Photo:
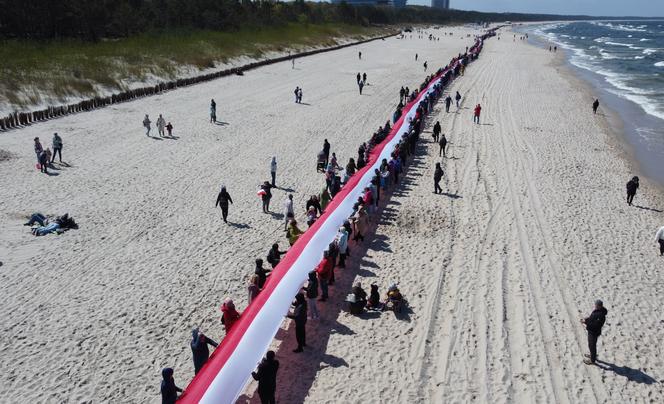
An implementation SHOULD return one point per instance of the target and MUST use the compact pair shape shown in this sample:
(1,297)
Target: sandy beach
(497,272)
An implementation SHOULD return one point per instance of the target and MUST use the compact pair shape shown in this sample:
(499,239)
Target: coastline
(619,129)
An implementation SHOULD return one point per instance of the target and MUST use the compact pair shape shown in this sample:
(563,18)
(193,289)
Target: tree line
(92,20)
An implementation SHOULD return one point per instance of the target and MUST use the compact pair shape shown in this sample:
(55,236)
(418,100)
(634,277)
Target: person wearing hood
(261,272)
(273,171)
(443,145)
(659,238)
(146,124)
(437,176)
(199,348)
(594,324)
(169,391)
(299,315)
(222,201)
(312,293)
(161,124)
(229,315)
(313,202)
(632,186)
(266,375)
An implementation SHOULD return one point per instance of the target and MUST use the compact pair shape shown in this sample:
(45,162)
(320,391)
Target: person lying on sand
(59,225)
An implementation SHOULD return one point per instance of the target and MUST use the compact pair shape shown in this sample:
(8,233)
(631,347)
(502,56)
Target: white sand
(496,278)
(94,314)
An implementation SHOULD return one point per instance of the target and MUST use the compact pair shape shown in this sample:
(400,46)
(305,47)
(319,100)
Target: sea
(624,62)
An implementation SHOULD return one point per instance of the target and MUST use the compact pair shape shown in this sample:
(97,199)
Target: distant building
(442,4)
(393,3)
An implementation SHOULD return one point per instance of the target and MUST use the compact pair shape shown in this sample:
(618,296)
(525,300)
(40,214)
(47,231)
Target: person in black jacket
(436,131)
(169,391)
(443,145)
(632,186)
(199,348)
(300,317)
(594,324)
(595,106)
(313,201)
(437,176)
(261,272)
(326,151)
(222,201)
(266,375)
(274,255)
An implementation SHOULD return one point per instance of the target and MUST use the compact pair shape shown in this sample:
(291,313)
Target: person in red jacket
(476,115)
(324,271)
(229,315)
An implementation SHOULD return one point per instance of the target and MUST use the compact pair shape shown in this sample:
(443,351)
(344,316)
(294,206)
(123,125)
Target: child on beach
(169,128)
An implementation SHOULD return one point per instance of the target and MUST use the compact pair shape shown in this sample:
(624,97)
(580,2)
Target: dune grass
(34,73)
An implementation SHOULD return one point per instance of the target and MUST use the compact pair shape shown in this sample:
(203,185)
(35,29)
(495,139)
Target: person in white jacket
(289,213)
(273,170)
(161,124)
(659,238)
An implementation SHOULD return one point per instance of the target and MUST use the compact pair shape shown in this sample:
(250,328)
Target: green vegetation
(77,68)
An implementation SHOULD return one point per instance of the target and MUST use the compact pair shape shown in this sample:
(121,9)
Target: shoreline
(614,123)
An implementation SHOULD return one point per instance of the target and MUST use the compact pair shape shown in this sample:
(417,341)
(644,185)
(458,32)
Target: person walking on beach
(476,113)
(161,124)
(457,97)
(436,131)
(364,78)
(448,102)
(594,324)
(360,85)
(229,316)
(425,66)
(632,186)
(323,271)
(289,212)
(199,348)
(443,145)
(296,92)
(437,176)
(57,147)
(223,199)
(169,391)
(595,106)
(299,315)
(326,151)
(299,96)
(266,375)
(273,170)
(416,55)
(169,128)
(359,55)
(213,111)
(359,78)
(38,148)
(659,238)
(146,124)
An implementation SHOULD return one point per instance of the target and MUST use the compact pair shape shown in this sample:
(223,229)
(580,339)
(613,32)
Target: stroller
(320,162)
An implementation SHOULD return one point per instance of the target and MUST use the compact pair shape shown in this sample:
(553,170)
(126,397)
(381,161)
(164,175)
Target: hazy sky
(643,8)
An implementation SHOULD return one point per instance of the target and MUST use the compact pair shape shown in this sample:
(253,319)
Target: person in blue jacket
(199,348)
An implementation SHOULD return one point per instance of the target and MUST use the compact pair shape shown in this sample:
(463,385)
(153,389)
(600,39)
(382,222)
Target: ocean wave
(644,39)
(627,45)
(639,57)
(620,27)
(649,51)
(602,39)
(659,64)
(650,106)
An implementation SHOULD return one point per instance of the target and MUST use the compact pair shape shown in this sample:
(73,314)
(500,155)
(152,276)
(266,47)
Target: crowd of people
(351,233)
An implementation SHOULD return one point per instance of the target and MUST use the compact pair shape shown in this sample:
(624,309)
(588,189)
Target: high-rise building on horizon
(442,4)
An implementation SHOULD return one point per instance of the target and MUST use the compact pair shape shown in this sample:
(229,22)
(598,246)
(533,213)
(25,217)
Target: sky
(609,8)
